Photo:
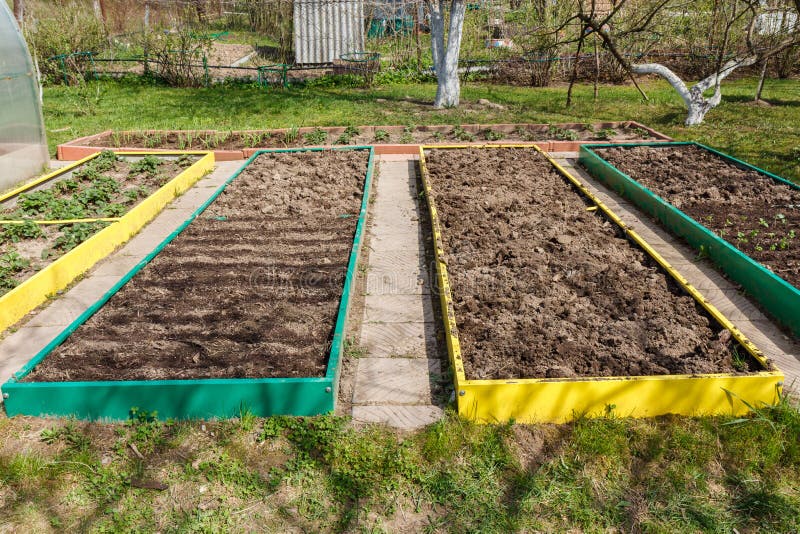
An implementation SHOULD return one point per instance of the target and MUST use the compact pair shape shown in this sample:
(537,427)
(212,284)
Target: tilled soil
(544,288)
(754,213)
(250,289)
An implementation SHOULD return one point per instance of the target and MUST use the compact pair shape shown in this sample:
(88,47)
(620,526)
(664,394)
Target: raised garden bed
(242,308)
(552,313)
(746,220)
(60,225)
(232,145)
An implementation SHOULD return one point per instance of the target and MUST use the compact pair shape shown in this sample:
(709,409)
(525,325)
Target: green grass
(768,137)
(670,474)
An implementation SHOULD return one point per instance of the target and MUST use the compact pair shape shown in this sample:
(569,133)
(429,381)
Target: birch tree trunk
(697,105)
(445,56)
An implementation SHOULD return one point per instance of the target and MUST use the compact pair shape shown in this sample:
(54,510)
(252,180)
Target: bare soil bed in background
(544,288)
(250,289)
(106,186)
(754,213)
(231,140)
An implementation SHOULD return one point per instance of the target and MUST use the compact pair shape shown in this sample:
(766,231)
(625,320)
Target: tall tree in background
(19,11)
(202,11)
(741,43)
(446,48)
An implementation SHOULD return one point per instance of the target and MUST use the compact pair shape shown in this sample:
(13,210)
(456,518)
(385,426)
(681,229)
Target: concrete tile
(398,309)
(394,381)
(399,281)
(65,309)
(396,219)
(406,260)
(18,348)
(390,242)
(398,157)
(192,199)
(402,417)
(736,307)
(115,265)
(399,340)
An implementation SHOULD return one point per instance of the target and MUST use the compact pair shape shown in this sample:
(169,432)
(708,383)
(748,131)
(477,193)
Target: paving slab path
(395,380)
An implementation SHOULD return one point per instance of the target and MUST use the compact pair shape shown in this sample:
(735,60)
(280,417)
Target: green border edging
(189,399)
(776,295)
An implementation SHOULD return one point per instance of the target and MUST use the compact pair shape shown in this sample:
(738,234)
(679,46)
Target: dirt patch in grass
(754,213)
(543,288)
(250,289)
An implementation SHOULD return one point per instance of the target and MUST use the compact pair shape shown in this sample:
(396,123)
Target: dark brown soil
(203,140)
(544,288)
(756,214)
(250,289)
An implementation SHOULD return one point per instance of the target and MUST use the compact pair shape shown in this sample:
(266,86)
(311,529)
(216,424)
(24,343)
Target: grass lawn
(282,474)
(669,474)
(768,137)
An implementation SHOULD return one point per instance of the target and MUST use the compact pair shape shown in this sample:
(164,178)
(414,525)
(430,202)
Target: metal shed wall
(326,29)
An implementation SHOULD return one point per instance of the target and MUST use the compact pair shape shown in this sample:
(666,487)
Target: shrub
(55,32)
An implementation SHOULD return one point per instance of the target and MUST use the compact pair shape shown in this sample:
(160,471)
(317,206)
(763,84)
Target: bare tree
(741,14)
(19,10)
(445,58)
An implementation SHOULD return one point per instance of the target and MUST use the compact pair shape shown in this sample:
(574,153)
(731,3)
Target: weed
(69,434)
(460,134)
(74,234)
(35,203)
(562,134)
(11,263)
(353,350)
(317,136)
(184,160)
(739,362)
(104,161)
(406,137)
(438,137)
(17,232)
(113,209)
(65,187)
(291,135)
(606,134)
(234,474)
(491,135)
(135,193)
(147,165)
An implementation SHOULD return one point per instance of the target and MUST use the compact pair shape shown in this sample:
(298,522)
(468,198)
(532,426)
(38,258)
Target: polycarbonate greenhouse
(23,147)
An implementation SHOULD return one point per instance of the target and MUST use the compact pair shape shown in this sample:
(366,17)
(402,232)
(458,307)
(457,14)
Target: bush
(72,27)
(177,58)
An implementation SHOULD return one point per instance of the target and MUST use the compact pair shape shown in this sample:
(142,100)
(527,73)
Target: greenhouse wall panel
(23,147)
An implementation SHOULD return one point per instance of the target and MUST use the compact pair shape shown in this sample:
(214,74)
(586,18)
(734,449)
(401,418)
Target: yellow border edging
(46,178)
(24,298)
(62,221)
(534,400)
